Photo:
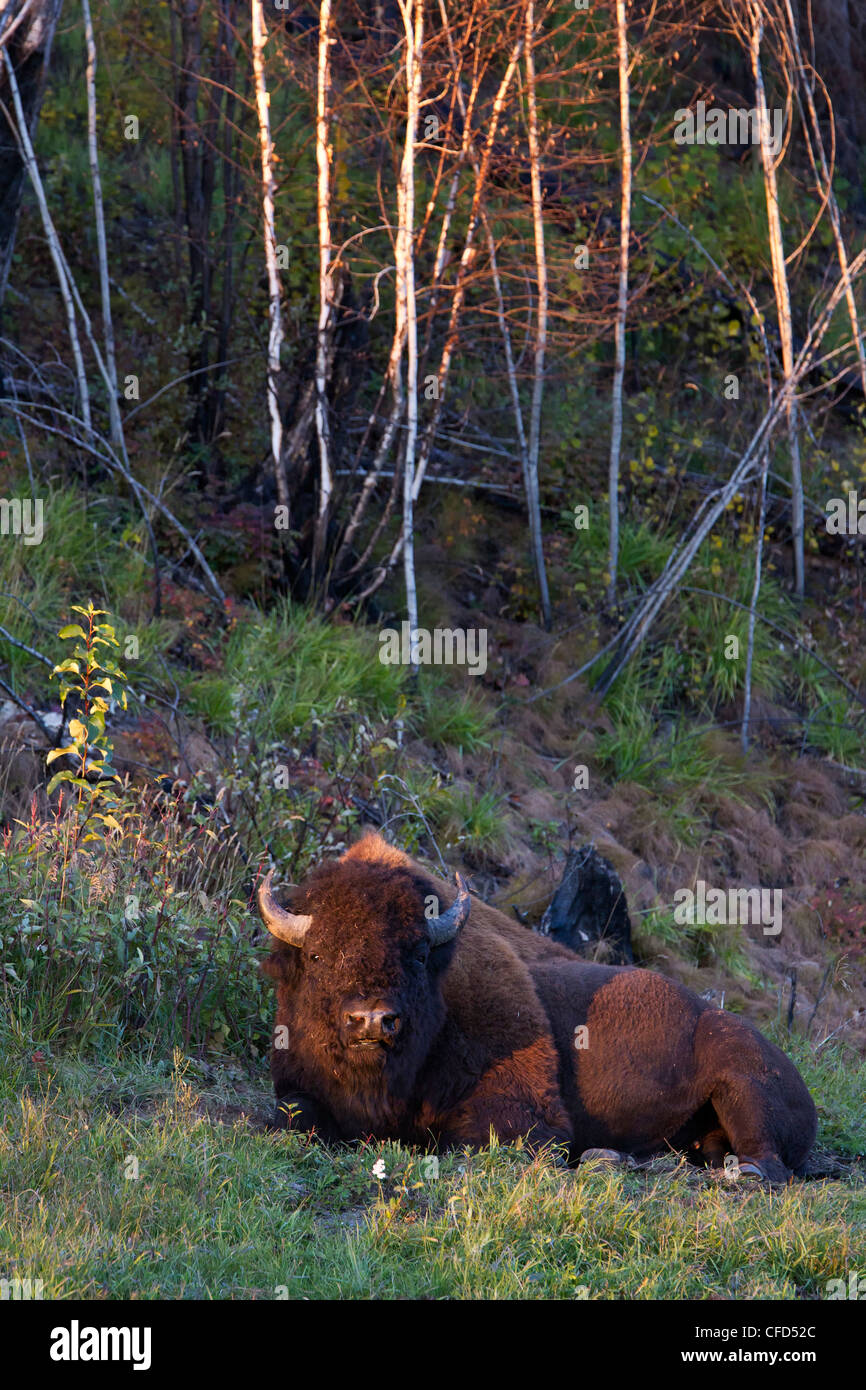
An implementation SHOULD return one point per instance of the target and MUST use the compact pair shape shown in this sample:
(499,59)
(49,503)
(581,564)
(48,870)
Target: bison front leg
(303,1113)
(507,1125)
(503,1102)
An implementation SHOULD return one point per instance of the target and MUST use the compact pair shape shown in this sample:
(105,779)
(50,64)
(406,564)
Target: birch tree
(412,12)
(715,503)
(115,428)
(622,300)
(275,322)
(531,467)
(753,607)
(780,289)
(64,279)
(323,208)
(467,257)
(466,108)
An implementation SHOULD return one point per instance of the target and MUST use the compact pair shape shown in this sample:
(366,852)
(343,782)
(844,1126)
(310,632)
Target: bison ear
(290,927)
(445,928)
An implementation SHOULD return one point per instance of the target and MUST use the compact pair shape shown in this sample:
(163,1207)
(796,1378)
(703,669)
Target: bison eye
(314,957)
(422,955)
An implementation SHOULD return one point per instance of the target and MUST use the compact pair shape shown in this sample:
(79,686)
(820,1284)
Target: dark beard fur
(370,1095)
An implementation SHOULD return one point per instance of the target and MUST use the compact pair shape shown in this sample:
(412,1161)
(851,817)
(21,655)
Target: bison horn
(446,927)
(287,926)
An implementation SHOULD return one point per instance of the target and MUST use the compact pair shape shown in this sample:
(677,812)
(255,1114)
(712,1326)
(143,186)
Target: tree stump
(589,908)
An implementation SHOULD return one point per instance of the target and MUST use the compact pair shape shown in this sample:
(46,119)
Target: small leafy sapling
(93,684)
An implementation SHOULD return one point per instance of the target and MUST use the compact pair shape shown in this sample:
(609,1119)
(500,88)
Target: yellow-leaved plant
(94,683)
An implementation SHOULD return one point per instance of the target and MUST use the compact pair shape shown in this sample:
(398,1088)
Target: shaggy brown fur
(489,1040)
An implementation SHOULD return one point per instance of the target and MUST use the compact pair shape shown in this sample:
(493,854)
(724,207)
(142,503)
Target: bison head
(360,966)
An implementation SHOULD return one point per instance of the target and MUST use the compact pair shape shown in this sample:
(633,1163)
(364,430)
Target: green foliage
(92,684)
(702,944)
(689,656)
(650,745)
(643,553)
(832,723)
(117,944)
(214,699)
(836,1076)
(837,727)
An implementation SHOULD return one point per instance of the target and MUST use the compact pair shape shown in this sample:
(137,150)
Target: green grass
(701,943)
(290,670)
(643,553)
(82,551)
(89,549)
(655,747)
(220,1209)
(690,657)
(290,666)
(450,717)
(469,818)
(837,727)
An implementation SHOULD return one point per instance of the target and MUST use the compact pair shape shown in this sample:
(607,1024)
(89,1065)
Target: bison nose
(378,1024)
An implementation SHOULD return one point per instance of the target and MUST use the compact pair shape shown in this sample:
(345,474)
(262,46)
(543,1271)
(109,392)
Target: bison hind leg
(769,1168)
(751,1128)
(711,1149)
(707,1144)
(703,1139)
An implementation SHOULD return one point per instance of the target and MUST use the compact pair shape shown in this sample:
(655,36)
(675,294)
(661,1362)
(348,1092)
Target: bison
(402,1017)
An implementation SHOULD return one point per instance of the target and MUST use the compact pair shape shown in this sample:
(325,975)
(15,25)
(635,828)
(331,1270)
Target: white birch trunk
(275,323)
(753,609)
(323,205)
(393,374)
(394,370)
(413,23)
(465,110)
(531,478)
(511,373)
(29,159)
(115,430)
(782,294)
(622,302)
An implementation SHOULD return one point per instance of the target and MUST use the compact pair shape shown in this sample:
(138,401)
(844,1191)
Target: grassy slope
(222,1210)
